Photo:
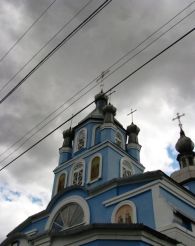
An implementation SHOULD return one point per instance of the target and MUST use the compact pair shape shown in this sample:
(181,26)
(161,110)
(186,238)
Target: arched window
(119,139)
(95,168)
(124,213)
(61,182)
(126,168)
(77,174)
(69,216)
(81,139)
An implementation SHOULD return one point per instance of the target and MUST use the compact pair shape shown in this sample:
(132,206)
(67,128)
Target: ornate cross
(132,111)
(178,118)
(101,78)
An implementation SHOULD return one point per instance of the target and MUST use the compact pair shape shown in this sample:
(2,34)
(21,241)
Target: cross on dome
(178,118)
(131,113)
(101,78)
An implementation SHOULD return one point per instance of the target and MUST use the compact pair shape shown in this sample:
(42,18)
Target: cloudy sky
(158,91)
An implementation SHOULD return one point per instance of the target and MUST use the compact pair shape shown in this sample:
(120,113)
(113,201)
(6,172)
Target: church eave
(113,229)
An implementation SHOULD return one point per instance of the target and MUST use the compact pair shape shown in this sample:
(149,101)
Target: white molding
(95,149)
(178,192)
(72,169)
(76,199)
(126,202)
(75,149)
(121,164)
(89,168)
(122,138)
(186,198)
(129,194)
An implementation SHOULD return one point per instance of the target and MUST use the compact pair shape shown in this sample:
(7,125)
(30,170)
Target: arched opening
(69,216)
(95,168)
(77,174)
(126,168)
(61,182)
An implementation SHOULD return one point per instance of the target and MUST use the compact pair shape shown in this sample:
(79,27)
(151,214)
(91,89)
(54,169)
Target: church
(102,196)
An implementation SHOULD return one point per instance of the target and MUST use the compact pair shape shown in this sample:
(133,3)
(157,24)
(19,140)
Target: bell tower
(186,159)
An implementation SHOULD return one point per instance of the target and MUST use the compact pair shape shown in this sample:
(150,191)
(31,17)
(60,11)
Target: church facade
(102,196)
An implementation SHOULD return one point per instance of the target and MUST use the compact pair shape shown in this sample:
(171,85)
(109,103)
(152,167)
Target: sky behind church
(158,91)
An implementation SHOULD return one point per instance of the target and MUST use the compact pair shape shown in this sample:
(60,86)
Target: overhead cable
(70,35)
(44,46)
(27,30)
(109,90)
(47,117)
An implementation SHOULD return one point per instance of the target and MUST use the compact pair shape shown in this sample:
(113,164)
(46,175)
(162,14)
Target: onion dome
(184,144)
(133,131)
(109,112)
(68,136)
(101,99)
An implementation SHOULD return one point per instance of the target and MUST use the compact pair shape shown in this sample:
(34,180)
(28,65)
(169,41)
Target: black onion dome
(101,97)
(67,133)
(184,144)
(133,129)
(109,109)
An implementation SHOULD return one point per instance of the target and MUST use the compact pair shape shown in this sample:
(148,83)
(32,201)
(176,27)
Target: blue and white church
(102,196)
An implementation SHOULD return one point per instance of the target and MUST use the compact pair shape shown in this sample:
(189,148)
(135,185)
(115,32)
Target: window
(126,168)
(95,168)
(61,182)
(124,213)
(77,174)
(119,139)
(69,216)
(81,139)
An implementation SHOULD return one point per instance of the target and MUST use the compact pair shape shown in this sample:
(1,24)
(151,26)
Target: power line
(82,24)
(44,46)
(27,30)
(87,91)
(110,89)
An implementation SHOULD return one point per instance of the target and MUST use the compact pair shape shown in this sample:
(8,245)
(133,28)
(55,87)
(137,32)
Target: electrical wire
(109,90)
(44,46)
(47,117)
(69,36)
(27,30)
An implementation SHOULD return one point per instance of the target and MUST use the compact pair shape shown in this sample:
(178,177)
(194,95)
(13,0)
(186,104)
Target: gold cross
(178,118)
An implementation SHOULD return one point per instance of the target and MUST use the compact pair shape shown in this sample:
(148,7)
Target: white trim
(186,198)
(89,168)
(75,149)
(122,139)
(93,138)
(76,199)
(72,170)
(57,181)
(121,165)
(31,232)
(126,202)
(95,149)
(129,194)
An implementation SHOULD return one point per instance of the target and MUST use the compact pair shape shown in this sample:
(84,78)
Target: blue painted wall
(178,203)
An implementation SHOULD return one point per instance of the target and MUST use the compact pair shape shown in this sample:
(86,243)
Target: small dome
(101,97)
(109,109)
(184,144)
(133,129)
(67,133)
